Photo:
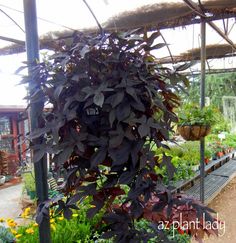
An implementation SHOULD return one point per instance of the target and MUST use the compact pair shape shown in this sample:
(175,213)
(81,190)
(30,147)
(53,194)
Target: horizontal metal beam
(19,42)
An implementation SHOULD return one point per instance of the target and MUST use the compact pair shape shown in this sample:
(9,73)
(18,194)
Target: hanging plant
(195,123)
(109,101)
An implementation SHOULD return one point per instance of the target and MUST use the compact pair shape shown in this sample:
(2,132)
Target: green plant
(217,86)
(78,229)
(5,235)
(191,153)
(221,124)
(209,152)
(191,114)
(177,236)
(29,182)
(230,140)
(179,161)
(172,233)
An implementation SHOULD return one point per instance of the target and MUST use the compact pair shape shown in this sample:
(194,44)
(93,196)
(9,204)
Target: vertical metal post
(40,168)
(202,104)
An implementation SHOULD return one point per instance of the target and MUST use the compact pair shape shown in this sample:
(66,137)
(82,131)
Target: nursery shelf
(227,170)
(213,185)
(214,182)
(209,168)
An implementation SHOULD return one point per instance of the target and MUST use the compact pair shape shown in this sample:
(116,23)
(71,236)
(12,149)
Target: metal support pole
(202,104)
(40,168)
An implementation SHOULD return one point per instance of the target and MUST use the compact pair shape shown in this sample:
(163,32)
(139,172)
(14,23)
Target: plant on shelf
(178,158)
(208,153)
(194,122)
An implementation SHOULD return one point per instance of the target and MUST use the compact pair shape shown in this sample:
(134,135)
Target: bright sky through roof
(56,14)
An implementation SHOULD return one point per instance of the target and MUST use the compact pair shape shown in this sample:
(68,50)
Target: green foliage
(191,114)
(175,236)
(171,233)
(230,141)
(78,229)
(216,145)
(183,157)
(217,86)
(5,235)
(180,162)
(29,182)
(221,124)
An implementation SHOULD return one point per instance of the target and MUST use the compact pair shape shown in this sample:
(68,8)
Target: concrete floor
(10,201)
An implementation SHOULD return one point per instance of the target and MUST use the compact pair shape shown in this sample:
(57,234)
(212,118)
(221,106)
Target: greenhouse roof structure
(150,14)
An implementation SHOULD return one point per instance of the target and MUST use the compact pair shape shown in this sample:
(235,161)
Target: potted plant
(195,123)
(208,155)
(192,160)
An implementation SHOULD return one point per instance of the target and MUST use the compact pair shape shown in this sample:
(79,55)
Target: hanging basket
(193,132)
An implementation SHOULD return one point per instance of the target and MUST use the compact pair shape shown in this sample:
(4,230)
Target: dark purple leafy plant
(109,102)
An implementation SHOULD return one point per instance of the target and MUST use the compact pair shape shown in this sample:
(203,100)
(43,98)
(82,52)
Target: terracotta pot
(220,154)
(193,133)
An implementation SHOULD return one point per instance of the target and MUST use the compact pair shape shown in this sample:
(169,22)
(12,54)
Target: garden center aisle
(225,205)
(10,201)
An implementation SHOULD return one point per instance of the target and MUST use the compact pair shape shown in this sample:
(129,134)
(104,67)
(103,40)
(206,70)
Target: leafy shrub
(5,235)
(78,229)
(29,182)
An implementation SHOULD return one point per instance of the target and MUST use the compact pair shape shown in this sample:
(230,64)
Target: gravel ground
(225,205)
